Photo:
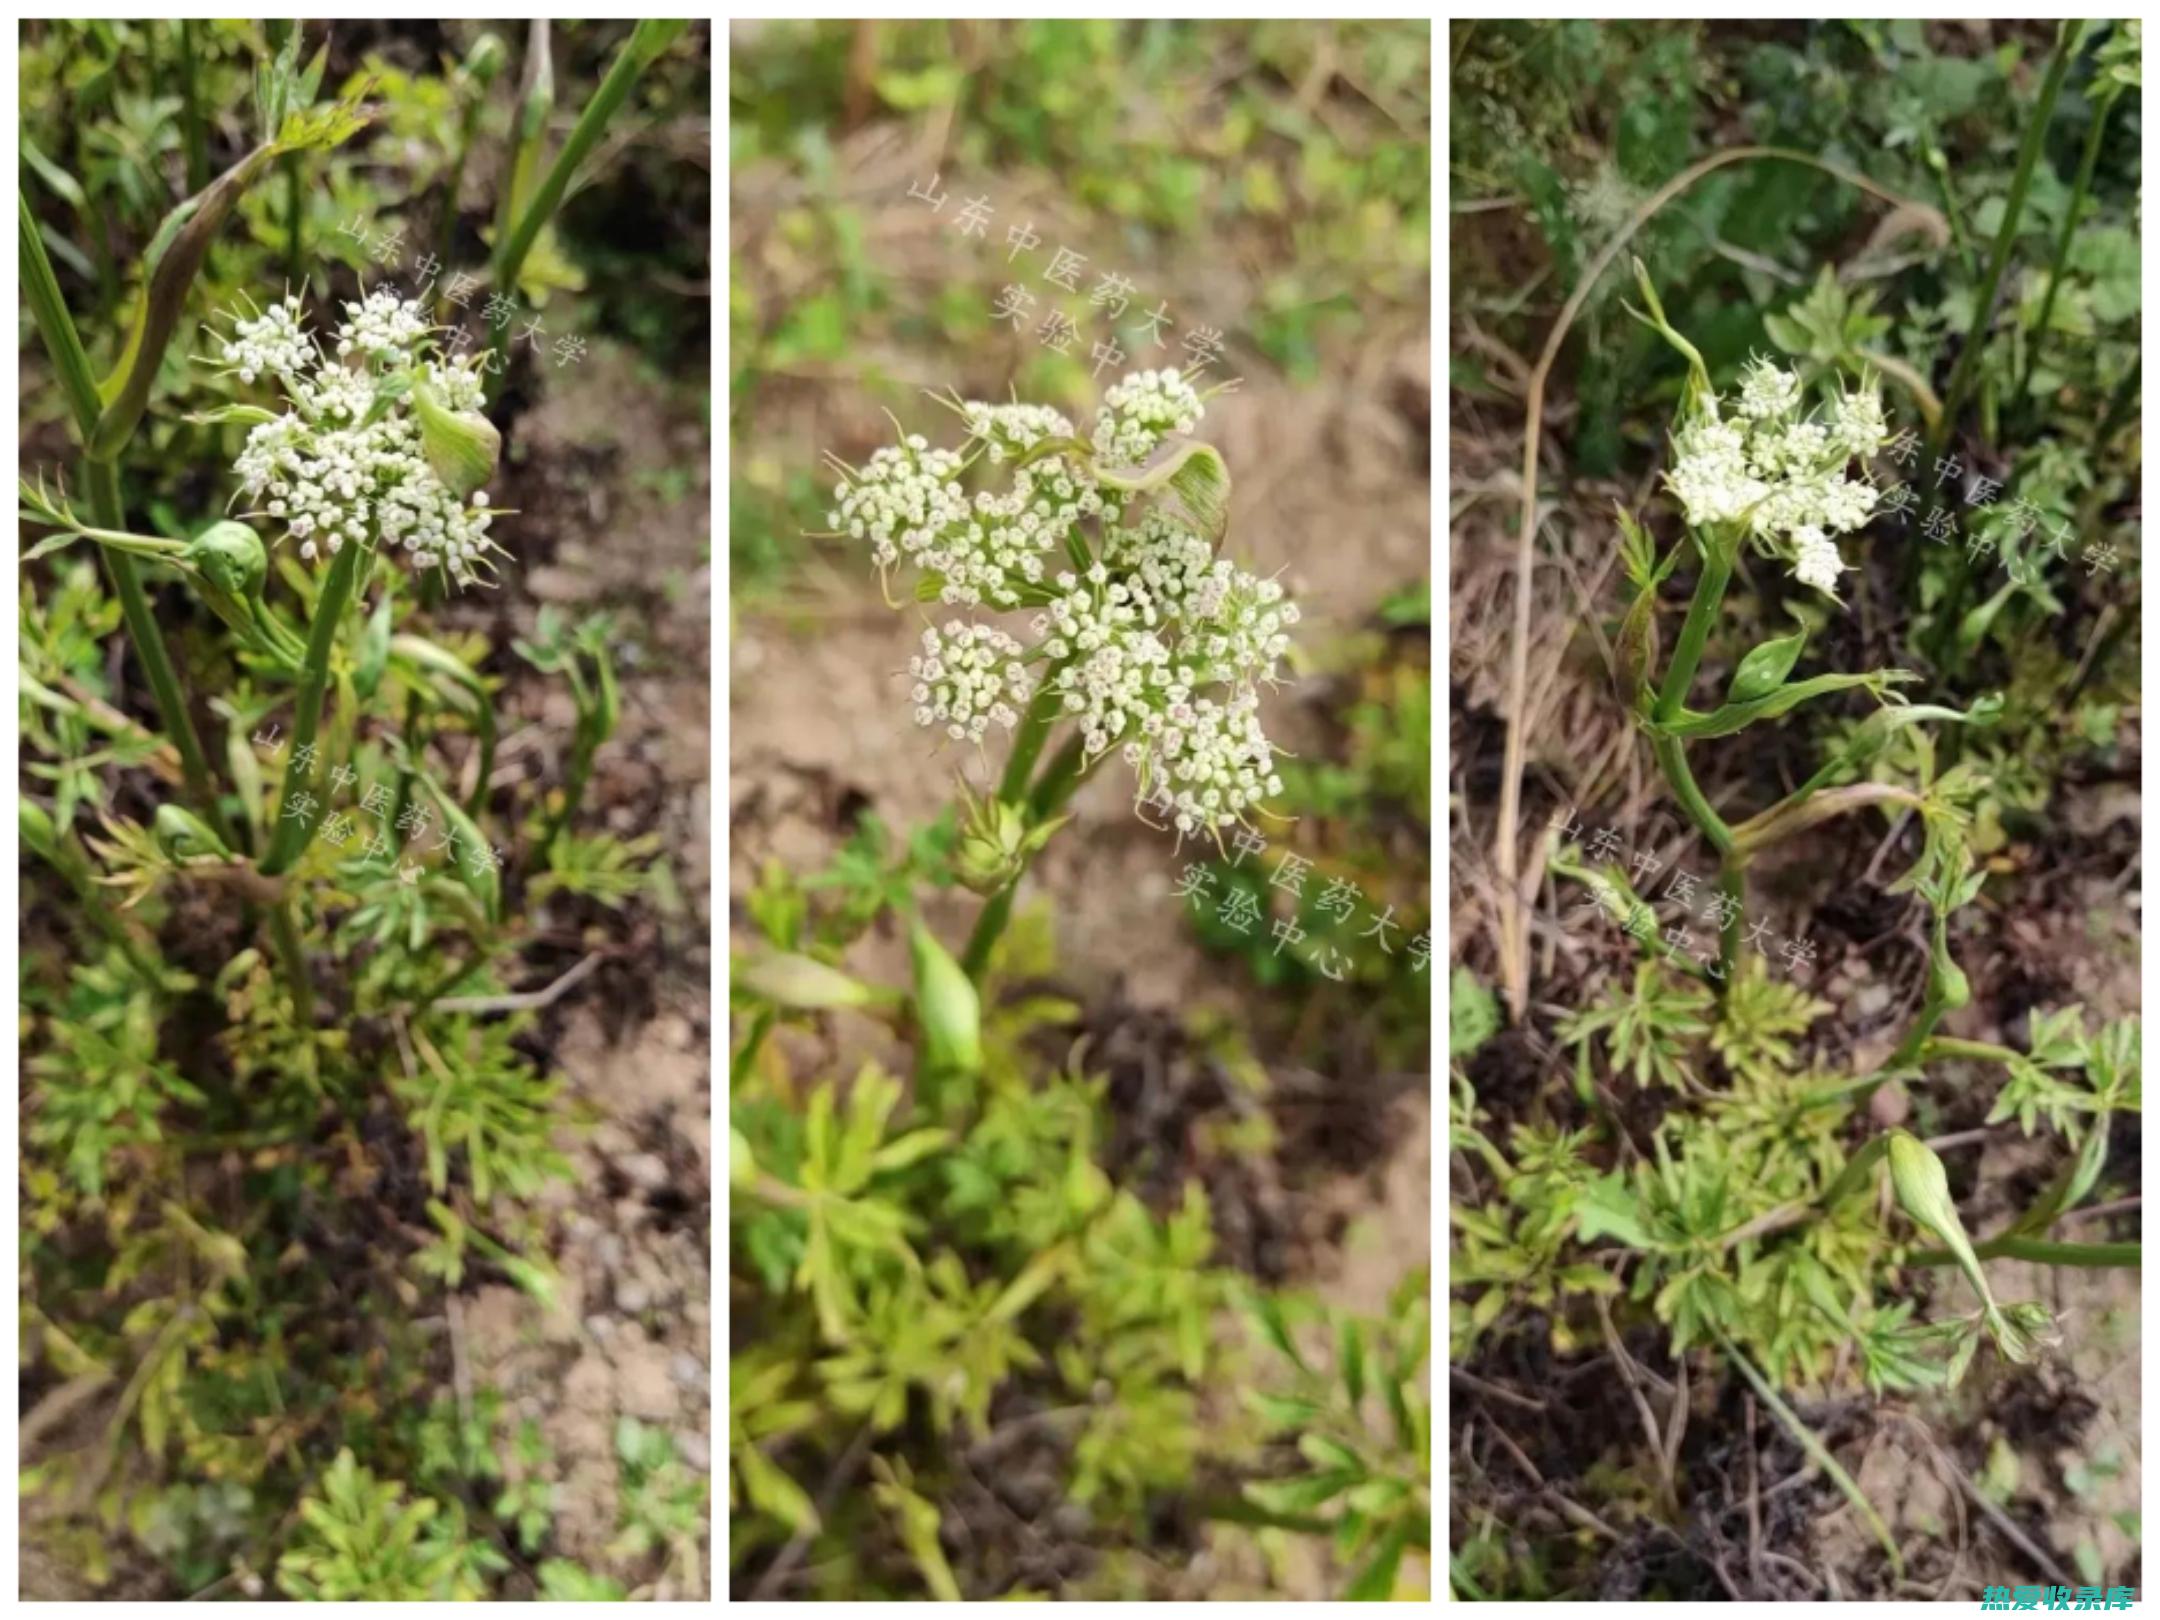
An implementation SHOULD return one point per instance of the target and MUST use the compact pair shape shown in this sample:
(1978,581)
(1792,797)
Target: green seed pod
(787,979)
(231,557)
(1636,651)
(181,835)
(742,1163)
(461,446)
(1924,1191)
(946,1006)
(374,655)
(1955,989)
(486,59)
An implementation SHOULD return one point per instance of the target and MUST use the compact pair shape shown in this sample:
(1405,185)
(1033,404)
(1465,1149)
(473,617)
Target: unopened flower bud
(230,556)
(946,1006)
(485,60)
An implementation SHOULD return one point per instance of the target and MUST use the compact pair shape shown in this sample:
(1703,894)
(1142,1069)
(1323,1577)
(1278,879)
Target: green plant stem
(1065,769)
(292,957)
(635,55)
(2118,406)
(104,481)
(1951,1046)
(1857,1169)
(41,289)
(1702,613)
(455,181)
(2040,1252)
(290,835)
(1036,719)
(1968,360)
(1801,811)
(1815,1449)
(1060,779)
(2086,164)
(574,783)
(1916,1039)
(293,245)
(1671,754)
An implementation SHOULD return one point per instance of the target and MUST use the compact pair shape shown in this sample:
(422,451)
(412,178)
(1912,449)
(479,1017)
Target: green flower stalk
(1963,373)
(1766,472)
(647,41)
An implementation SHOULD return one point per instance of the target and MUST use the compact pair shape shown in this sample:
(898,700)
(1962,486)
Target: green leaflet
(483,878)
(1764,669)
(801,982)
(1732,717)
(1609,1207)
(946,1006)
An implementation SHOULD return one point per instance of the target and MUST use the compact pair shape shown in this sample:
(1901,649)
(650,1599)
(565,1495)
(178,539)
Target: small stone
(631,1298)
(641,1380)
(647,1170)
(687,1370)
(1890,1106)
(601,1327)
(695,1449)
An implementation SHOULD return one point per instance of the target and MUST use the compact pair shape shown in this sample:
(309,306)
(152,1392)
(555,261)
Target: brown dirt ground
(630,1333)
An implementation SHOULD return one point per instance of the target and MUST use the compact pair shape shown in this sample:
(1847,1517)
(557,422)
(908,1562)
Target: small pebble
(695,1450)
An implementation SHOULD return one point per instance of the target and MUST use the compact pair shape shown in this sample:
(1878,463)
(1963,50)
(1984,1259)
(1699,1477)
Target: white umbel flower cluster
(1780,473)
(1142,411)
(346,464)
(966,677)
(1136,631)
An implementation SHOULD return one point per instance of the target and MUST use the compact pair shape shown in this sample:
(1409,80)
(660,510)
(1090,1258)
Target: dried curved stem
(1786,818)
